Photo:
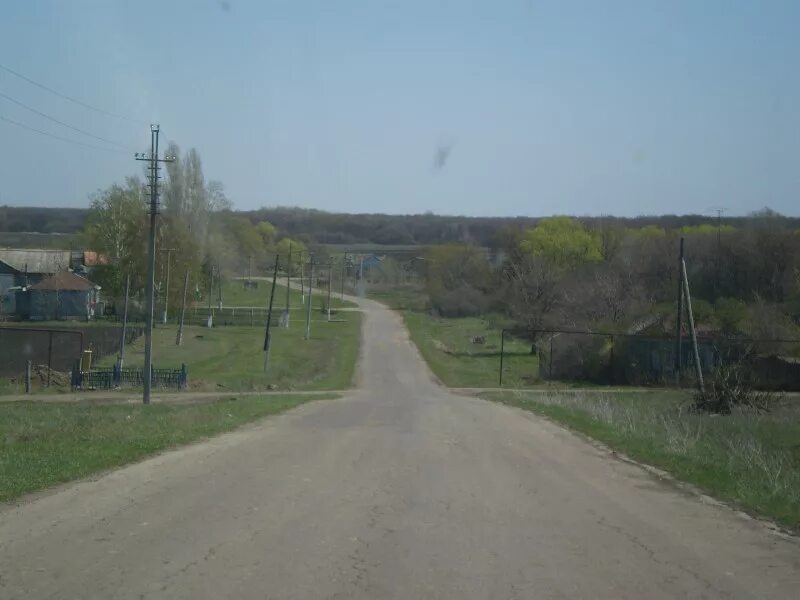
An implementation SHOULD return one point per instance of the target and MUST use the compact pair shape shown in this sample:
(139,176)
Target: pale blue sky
(619,107)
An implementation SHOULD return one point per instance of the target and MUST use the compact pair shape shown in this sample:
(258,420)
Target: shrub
(727,388)
(465,301)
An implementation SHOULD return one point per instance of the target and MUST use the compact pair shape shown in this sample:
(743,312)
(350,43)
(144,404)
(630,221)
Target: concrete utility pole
(154,168)
(268,334)
(288,284)
(308,305)
(166,288)
(179,338)
(124,322)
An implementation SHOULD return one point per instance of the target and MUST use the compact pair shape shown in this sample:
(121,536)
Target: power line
(67,125)
(57,137)
(70,98)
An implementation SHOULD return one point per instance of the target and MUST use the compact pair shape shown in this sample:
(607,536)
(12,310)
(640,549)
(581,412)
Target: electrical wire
(67,125)
(58,137)
(70,98)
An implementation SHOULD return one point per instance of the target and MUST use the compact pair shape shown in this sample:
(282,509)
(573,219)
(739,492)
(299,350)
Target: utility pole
(179,338)
(166,289)
(153,159)
(268,334)
(678,316)
(692,330)
(308,305)
(330,277)
(124,321)
(288,283)
(302,282)
(250,268)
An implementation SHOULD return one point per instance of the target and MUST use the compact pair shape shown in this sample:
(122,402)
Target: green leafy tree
(563,242)
(267,231)
(115,228)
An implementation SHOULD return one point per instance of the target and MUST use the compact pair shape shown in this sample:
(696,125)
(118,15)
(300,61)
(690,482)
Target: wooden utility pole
(268,334)
(179,338)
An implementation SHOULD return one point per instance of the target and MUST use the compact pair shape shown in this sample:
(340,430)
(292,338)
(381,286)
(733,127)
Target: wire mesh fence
(57,349)
(623,359)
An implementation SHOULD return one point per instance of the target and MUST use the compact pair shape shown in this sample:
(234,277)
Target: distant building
(23,267)
(64,295)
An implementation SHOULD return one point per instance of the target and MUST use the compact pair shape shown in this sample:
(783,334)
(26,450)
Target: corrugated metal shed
(36,261)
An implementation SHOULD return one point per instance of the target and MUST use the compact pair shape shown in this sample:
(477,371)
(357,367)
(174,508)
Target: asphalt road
(398,490)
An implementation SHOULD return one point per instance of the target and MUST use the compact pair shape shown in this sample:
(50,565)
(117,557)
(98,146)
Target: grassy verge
(231,358)
(399,297)
(235,294)
(752,461)
(447,346)
(44,444)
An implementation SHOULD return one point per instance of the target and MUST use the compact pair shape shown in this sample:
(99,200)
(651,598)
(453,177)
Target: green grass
(750,460)
(48,443)
(235,294)
(446,345)
(405,297)
(231,358)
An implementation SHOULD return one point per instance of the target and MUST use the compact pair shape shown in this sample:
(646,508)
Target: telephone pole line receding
(153,176)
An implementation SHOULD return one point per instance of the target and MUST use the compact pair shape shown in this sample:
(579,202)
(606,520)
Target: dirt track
(401,489)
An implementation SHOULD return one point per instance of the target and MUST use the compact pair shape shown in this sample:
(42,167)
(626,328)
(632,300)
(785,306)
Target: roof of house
(64,281)
(35,261)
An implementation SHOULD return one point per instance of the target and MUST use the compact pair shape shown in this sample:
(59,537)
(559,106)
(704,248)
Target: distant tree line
(43,220)
(321,227)
(606,275)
